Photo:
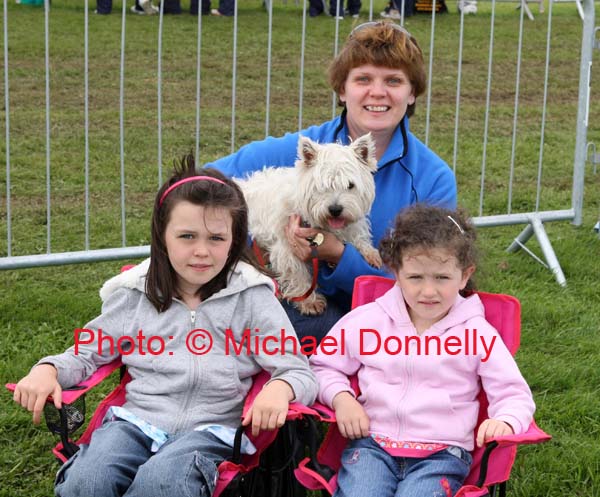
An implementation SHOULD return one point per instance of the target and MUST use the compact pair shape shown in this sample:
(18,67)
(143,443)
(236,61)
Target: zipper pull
(193,317)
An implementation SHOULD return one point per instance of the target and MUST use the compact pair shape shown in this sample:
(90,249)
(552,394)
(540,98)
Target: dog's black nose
(335,210)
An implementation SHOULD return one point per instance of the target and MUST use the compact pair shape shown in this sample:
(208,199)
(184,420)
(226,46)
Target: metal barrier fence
(483,127)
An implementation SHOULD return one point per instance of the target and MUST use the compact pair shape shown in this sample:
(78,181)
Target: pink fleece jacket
(430,393)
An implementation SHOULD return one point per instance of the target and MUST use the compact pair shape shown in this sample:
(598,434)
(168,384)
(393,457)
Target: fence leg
(521,240)
(592,156)
(525,7)
(580,9)
(548,251)
(536,227)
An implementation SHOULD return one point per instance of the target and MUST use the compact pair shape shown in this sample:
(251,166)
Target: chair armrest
(71,394)
(323,412)
(533,435)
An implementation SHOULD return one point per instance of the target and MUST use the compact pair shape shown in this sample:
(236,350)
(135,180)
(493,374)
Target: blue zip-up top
(408,172)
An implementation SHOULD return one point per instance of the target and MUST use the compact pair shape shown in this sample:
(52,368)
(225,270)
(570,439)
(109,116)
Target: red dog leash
(315,268)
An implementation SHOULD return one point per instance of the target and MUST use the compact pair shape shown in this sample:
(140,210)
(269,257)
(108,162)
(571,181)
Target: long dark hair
(161,280)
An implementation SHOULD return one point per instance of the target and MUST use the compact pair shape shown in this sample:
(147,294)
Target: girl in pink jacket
(421,353)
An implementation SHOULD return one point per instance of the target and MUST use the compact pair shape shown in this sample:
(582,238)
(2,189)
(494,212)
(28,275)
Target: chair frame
(492,464)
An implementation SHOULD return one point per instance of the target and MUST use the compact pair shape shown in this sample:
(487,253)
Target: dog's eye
(350,186)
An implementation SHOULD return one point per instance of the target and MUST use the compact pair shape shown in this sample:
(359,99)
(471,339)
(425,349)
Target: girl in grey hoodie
(189,328)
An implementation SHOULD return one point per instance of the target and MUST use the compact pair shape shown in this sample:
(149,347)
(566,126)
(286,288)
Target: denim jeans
(391,476)
(118,462)
(317,326)
(104,6)
(315,8)
(353,7)
(226,7)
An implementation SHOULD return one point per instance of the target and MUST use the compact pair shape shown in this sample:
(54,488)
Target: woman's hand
(492,428)
(352,420)
(33,390)
(330,250)
(270,407)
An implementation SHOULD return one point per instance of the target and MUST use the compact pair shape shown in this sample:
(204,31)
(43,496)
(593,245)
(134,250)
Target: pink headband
(187,180)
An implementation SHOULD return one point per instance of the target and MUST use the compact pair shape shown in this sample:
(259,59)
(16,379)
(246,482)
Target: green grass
(41,307)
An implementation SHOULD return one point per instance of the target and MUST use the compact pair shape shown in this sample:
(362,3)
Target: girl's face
(198,240)
(430,281)
(376,99)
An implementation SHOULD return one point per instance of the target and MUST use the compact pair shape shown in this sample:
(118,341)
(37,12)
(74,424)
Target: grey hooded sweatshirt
(177,390)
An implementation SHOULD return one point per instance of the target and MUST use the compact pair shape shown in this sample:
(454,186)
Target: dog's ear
(364,148)
(307,151)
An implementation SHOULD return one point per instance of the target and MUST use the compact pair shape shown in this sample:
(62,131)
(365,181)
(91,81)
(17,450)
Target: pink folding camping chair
(491,464)
(266,473)
(235,475)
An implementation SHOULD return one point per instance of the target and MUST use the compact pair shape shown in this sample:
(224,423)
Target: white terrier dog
(331,188)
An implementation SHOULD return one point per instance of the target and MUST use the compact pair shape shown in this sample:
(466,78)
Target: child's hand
(270,407)
(352,420)
(491,428)
(33,390)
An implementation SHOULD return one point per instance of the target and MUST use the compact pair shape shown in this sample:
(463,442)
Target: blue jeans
(317,326)
(353,7)
(104,6)
(118,462)
(226,7)
(315,8)
(391,476)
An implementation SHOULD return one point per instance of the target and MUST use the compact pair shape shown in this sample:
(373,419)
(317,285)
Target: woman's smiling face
(376,99)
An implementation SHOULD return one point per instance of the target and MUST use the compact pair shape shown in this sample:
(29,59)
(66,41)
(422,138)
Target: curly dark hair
(426,227)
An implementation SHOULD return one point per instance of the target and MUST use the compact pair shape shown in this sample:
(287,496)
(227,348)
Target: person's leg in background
(315,8)
(103,7)
(396,9)
(226,8)
(354,8)
(144,8)
(205,7)
(172,7)
(467,6)
(336,8)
